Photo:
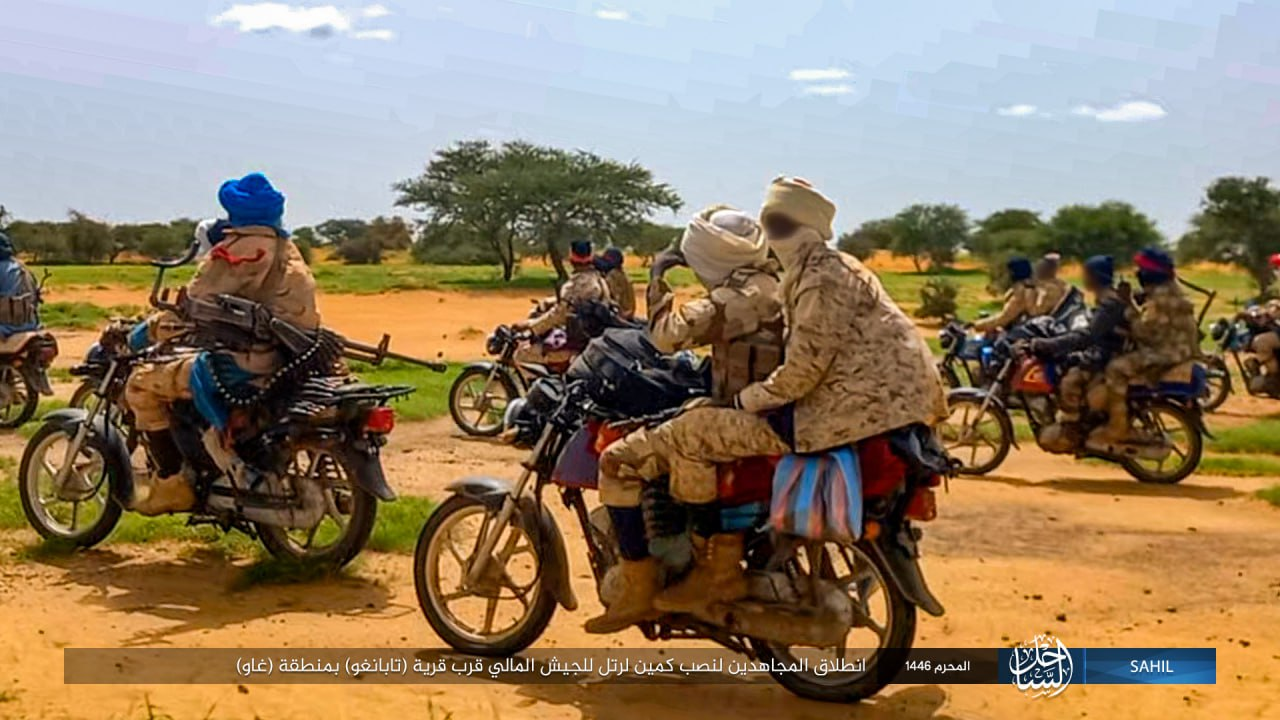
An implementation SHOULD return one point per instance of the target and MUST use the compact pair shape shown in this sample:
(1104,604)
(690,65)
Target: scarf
(715,248)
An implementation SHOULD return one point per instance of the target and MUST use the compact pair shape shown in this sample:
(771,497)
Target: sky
(135,110)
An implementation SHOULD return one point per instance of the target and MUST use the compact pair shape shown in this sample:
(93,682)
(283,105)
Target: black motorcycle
(25,358)
(299,468)
(1233,339)
(491,566)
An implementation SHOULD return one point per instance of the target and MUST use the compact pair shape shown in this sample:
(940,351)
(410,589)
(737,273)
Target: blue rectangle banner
(1150,666)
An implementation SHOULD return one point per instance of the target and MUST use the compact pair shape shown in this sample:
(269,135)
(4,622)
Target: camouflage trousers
(1264,346)
(152,387)
(1071,392)
(687,448)
(1135,368)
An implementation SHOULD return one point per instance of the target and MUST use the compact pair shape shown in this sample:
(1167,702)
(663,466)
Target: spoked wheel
(882,630)
(1177,440)
(80,510)
(348,518)
(503,611)
(979,438)
(478,400)
(1218,378)
(18,398)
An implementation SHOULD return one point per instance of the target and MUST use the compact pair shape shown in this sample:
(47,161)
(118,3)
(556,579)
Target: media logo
(1041,667)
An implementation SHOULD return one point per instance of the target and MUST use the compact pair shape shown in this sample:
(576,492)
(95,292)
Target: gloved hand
(664,261)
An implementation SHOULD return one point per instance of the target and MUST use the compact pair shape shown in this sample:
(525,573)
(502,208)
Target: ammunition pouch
(740,362)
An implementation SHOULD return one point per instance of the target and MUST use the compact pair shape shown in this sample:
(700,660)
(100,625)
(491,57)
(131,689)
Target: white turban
(201,236)
(729,240)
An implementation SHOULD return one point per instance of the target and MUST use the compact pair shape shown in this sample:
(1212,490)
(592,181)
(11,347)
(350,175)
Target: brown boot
(716,577)
(1117,421)
(157,496)
(635,604)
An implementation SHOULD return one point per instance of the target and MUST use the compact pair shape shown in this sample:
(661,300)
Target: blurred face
(1091,283)
(779,227)
(1045,271)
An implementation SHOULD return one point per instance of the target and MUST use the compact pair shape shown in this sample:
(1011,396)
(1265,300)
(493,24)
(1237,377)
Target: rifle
(1209,297)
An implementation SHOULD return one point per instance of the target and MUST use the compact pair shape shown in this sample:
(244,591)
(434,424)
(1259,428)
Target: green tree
(88,240)
(391,233)
(42,241)
(648,239)
(1112,228)
(937,299)
(1009,232)
(869,237)
(304,238)
(930,232)
(161,240)
(124,239)
(1238,223)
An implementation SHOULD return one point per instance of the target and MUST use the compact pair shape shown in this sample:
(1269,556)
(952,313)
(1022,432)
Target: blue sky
(136,109)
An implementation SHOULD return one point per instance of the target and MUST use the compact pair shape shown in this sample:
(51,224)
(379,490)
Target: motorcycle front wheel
(83,510)
(478,400)
(881,636)
(1219,384)
(980,438)
(508,607)
(350,511)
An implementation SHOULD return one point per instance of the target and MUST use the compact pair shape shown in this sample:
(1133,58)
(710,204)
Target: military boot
(160,495)
(716,577)
(634,604)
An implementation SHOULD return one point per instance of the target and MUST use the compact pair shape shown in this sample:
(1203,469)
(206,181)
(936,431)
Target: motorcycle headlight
(493,345)
(95,354)
(1218,330)
(946,340)
(514,408)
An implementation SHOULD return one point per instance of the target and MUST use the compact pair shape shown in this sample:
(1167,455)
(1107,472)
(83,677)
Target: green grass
(399,524)
(1240,465)
(430,400)
(1271,495)
(83,315)
(1260,437)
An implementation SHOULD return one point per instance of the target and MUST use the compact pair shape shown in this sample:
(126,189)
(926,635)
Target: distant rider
(1019,300)
(251,257)
(1164,331)
(1051,290)
(1266,343)
(1086,351)
(585,285)
(610,264)
(740,317)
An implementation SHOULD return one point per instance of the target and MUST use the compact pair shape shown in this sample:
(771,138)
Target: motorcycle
(485,395)
(25,358)
(496,544)
(962,356)
(1234,338)
(1167,416)
(298,468)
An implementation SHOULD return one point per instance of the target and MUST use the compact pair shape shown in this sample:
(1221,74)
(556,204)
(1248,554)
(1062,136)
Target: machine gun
(238,324)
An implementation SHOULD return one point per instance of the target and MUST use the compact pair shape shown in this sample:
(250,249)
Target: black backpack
(627,375)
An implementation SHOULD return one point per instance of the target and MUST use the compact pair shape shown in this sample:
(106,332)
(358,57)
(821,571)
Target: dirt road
(1050,545)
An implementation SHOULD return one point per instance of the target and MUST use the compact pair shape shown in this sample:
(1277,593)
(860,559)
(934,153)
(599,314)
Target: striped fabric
(818,496)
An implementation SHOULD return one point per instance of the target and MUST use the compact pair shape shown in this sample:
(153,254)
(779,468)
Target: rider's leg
(1265,346)
(1121,372)
(150,390)
(1072,390)
(620,486)
(693,445)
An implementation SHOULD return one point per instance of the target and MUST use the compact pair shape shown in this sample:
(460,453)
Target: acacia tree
(521,195)
(930,232)
(1111,228)
(1238,223)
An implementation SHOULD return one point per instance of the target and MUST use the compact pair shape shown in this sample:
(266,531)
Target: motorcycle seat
(1187,379)
(15,343)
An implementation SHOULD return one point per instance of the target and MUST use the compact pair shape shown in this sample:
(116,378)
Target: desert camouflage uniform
(585,284)
(1018,303)
(1048,294)
(854,367)
(1165,333)
(621,291)
(252,263)
(1265,345)
(742,322)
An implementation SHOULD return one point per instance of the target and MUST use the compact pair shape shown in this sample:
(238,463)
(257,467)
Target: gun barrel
(376,354)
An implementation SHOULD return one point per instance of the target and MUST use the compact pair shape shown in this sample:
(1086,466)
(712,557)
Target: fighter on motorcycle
(26,347)
(855,376)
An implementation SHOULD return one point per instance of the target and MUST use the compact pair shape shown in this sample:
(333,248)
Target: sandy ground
(1047,545)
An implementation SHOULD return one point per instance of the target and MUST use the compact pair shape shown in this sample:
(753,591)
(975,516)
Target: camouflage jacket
(1164,326)
(1048,294)
(584,285)
(256,264)
(854,365)
(741,319)
(1018,302)
(621,291)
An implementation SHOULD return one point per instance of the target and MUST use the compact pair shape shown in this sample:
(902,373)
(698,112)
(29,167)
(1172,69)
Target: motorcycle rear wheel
(1170,421)
(859,571)
(1219,384)
(22,395)
(452,534)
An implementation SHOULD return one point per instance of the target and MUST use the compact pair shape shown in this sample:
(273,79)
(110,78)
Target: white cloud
(1019,110)
(319,20)
(1132,111)
(614,15)
(817,74)
(840,89)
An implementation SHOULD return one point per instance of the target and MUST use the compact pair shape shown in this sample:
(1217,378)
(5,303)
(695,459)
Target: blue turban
(1155,266)
(1102,268)
(252,201)
(580,252)
(610,259)
(1019,269)
(6,246)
